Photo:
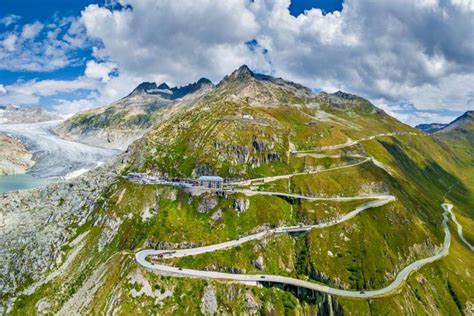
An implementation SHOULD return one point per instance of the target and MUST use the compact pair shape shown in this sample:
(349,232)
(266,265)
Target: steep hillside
(122,122)
(251,123)
(458,141)
(465,121)
(369,187)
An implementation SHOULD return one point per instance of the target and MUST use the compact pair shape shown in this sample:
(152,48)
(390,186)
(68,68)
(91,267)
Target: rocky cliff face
(14,157)
(35,224)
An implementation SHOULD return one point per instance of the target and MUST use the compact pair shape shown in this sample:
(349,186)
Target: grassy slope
(372,247)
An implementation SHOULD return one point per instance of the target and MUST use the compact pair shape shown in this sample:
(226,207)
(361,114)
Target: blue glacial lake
(21,182)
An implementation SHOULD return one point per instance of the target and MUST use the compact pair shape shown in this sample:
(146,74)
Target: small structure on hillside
(211,182)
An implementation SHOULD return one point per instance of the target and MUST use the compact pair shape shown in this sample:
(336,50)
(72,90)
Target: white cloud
(100,71)
(465,5)
(30,31)
(179,40)
(392,52)
(51,87)
(42,47)
(9,19)
(9,43)
(18,99)
(372,48)
(31,92)
(66,107)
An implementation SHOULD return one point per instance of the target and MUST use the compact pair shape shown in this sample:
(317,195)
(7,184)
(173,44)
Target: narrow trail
(287,176)
(316,154)
(351,142)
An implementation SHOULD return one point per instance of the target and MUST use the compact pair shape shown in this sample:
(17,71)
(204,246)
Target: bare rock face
(252,305)
(241,205)
(209,301)
(259,263)
(208,202)
(373,188)
(14,158)
(34,225)
(111,228)
(217,215)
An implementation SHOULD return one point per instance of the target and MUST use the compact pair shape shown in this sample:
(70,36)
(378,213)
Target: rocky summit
(119,124)
(254,196)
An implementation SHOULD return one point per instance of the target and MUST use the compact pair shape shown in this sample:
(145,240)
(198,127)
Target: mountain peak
(463,120)
(469,115)
(144,86)
(167,92)
(204,81)
(164,86)
(243,72)
(344,95)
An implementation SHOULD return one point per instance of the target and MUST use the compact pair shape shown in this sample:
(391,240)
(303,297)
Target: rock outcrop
(14,157)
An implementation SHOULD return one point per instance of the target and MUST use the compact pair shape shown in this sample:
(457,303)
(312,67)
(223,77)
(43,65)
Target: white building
(211,182)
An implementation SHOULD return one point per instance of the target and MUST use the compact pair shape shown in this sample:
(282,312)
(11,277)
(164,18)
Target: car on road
(362,292)
(180,269)
(262,277)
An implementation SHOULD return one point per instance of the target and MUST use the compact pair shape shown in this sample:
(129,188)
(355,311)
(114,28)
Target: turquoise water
(21,182)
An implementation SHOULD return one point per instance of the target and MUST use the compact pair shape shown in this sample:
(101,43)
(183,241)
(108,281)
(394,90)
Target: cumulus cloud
(30,92)
(100,71)
(51,87)
(176,40)
(391,51)
(31,30)
(66,107)
(9,43)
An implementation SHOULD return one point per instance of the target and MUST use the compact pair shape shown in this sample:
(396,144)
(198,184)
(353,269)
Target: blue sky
(29,11)
(299,6)
(73,55)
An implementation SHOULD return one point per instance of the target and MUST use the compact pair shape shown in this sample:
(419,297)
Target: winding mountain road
(287,176)
(378,200)
(141,257)
(448,208)
(351,142)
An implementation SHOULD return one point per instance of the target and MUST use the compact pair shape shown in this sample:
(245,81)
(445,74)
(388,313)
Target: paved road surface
(286,176)
(379,200)
(255,278)
(351,142)
(448,208)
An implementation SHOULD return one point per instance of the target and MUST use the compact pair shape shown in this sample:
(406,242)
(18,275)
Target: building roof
(211,178)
